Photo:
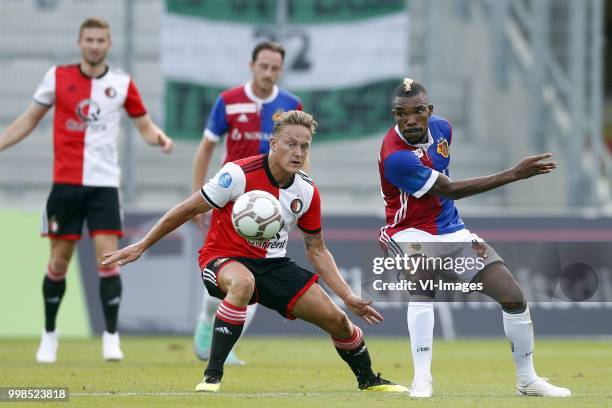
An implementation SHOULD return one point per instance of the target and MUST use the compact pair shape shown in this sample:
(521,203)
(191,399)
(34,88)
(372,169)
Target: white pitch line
(183,393)
(297,394)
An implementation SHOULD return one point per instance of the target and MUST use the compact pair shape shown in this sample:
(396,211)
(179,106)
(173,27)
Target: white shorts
(469,253)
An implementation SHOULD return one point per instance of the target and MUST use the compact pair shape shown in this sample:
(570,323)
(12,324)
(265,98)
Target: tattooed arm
(325,266)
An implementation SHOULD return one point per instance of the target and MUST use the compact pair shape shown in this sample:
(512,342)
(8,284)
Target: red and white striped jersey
(86,122)
(300,205)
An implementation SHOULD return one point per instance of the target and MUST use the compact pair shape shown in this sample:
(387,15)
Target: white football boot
(110,347)
(421,388)
(211,383)
(47,350)
(542,388)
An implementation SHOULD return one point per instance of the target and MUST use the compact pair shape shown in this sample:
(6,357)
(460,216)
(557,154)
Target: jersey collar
(90,77)
(271,177)
(248,90)
(421,145)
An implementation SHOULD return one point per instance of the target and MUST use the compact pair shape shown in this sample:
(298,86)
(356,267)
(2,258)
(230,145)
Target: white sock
(251,309)
(420,318)
(519,330)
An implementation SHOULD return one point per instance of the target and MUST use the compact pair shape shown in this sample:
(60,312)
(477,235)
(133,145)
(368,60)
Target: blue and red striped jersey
(247,121)
(407,173)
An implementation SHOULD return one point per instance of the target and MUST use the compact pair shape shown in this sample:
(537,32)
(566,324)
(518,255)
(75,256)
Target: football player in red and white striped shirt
(244,115)
(241,272)
(88,99)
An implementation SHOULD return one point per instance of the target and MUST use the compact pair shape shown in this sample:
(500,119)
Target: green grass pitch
(306,372)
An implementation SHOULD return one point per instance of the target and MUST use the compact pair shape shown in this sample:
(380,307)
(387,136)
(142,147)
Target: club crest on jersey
(418,153)
(296,206)
(110,92)
(225,180)
(442,147)
(277,115)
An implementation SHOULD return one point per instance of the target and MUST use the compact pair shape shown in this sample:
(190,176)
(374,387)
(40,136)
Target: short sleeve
(405,171)
(217,124)
(310,221)
(45,93)
(227,185)
(133,102)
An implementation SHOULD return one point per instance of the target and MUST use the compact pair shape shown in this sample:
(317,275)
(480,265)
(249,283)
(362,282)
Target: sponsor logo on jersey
(276,116)
(88,110)
(268,244)
(79,126)
(225,180)
(296,206)
(442,147)
(110,92)
(418,153)
(243,118)
(238,135)
(416,247)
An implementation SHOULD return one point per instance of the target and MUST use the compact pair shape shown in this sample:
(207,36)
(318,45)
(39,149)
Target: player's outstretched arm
(152,134)
(201,162)
(170,221)
(23,125)
(325,266)
(526,168)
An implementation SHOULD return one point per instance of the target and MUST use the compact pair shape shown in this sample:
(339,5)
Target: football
(257,216)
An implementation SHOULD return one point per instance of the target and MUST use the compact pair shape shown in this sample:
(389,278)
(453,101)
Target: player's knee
(341,325)
(514,307)
(56,275)
(58,266)
(513,301)
(108,272)
(243,287)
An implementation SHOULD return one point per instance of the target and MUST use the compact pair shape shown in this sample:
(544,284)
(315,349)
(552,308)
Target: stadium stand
(487,97)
